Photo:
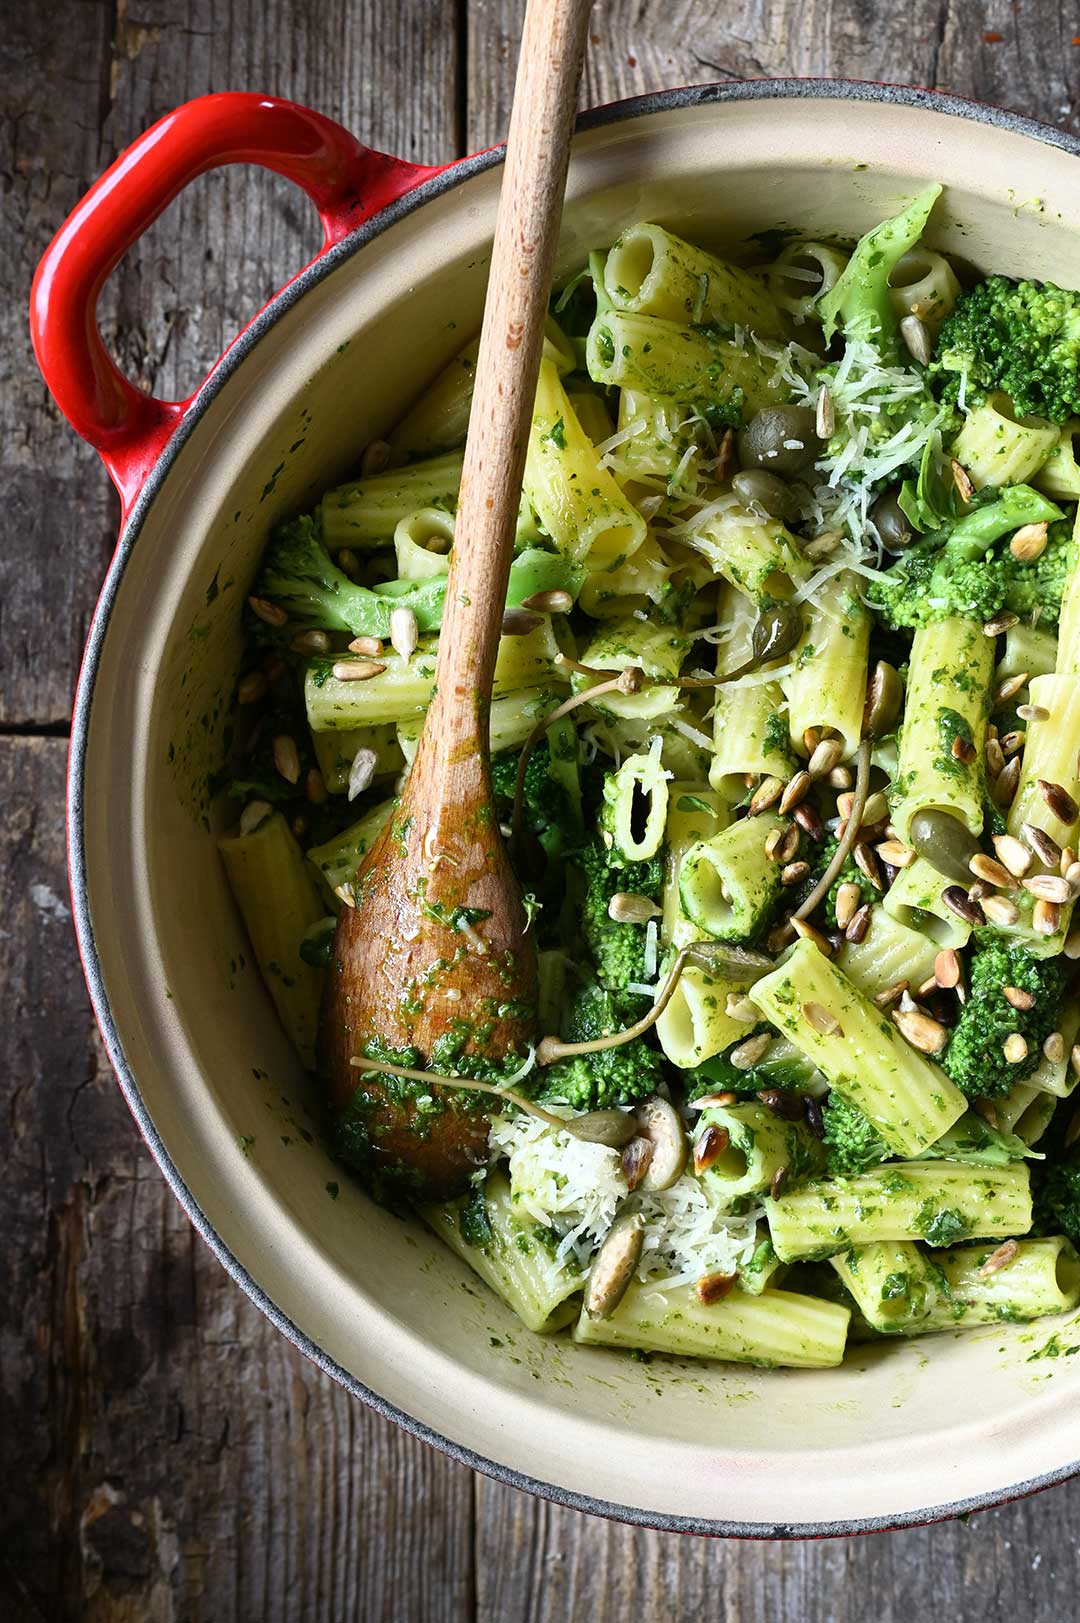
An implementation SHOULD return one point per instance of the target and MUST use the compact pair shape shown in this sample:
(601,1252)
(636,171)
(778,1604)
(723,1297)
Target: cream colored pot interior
(896,1431)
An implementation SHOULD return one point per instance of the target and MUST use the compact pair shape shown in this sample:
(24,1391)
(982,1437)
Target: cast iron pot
(901,1434)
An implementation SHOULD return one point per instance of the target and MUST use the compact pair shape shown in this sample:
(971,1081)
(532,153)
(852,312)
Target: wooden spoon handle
(522,261)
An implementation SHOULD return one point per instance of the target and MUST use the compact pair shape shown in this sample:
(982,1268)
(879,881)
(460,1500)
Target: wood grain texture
(163,1453)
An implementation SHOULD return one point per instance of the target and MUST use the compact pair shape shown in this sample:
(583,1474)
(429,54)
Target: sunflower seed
(1071,949)
(1029,542)
(254,813)
(747,1054)
(1010,687)
(370,647)
(980,891)
(706,1101)
(635,1161)
(356,670)
(809,933)
(766,794)
(1013,853)
(780,936)
(983,1108)
(519,622)
(740,1008)
(404,632)
(268,612)
(927,1035)
(999,910)
(991,872)
(287,757)
(947,968)
(825,757)
(1054,1048)
(825,415)
(962,480)
(710,1144)
(1014,741)
(1046,917)
(839,778)
(1000,1258)
(779,1180)
(375,459)
(810,822)
(916,335)
(1015,1048)
(1068,860)
(995,757)
(788,1106)
(1018,997)
(960,903)
(348,563)
(821,1019)
(859,925)
(1060,801)
(252,687)
(314,786)
(714,1287)
(772,842)
(890,995)
(964,750)
(1001,622)
(1048,887)
(1004,785)
(1032,712)
(362,771)
(625,907)
(795,873)
(1045,848)
(895,853)
(553,602)
(795,792)
(811,739)
(848,901)
(867,863)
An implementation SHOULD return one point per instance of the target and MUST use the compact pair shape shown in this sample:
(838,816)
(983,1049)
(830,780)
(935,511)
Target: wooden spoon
(435,956)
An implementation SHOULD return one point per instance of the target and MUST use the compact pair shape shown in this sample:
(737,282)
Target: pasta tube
(638,583)
(1043,1276)
(727,884)
(651,272)
(694,813)
(761,1146)
(514,1257)
(665,358)
(575,498)
(939,1202)
(826,688)
(510,721)
(1069,620)
(276,895)
(336,752)
(1031,649)
(894,1285)
(1051,751)
(1059,476)
(757,555)
(948,693)
(914,900)
(365,513)
(889,953)
(998,448)
(775,1327)
(860,1051)
(336,862)
(750,734)
(422,543)
(658,649)
(635,807)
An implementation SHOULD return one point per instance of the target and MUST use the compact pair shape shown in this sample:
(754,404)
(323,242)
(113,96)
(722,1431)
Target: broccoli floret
(618,950)
(1040,585)
(975,1057)
(967,570)
(853,1142)
(549,809)
(1019,337)
(614,1075)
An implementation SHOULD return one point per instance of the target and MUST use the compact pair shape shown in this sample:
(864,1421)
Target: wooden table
(166,1455)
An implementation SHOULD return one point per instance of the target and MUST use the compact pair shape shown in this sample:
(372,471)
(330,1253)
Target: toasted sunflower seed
(739,1007)
(772,842)
(370,647)
(766,794)
(625,907)
(1029,542)
(962,480)
(1013,853)
(315,786)
(1018,997)
(1074,1057)
(1071,949)
(636,1158)
(895,853)
(1046,917)
(811,739)
(822,545)
(839,778)
(795,873)
(999,910)
(807,931)
(268,612)
(362,771)
(310,642)
(254,813)
(848,902)
(778,1182)
(780,936)
(348,563)
(712,1288)
(810,822)
(825,415)
(875,810)
(1060,801)
(706,1101)
(960,903)
(1015,1048)
(995,757)
(1054,1048)
(356,670)
(375,459)
(1010,687)
(1000,1258)
(795,792)
(710,1143)
(1001,622)
(859,925)
(252,687)
(1048,887)
(947,968)
(1004,785)
(404,632)
(519,622)
(916,336)
(927,1035)
(287,757)
(991,872)
(1013,741)
(747,1054)
(553,602)
(964,750)
(827,755)
(1045,848)
(866,862)
(890,995)
(821,1019)
(1032,712)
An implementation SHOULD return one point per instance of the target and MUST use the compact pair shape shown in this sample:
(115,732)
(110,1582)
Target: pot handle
(347,183)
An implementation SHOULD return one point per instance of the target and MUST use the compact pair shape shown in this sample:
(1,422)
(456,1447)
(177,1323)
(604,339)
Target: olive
(613,1128)
(945,842)
(614,1265)
(776,631)
(764,493)
(891,522)
(781,438)
(884,697)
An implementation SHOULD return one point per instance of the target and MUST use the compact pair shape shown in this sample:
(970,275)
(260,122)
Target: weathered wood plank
(166,1452)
